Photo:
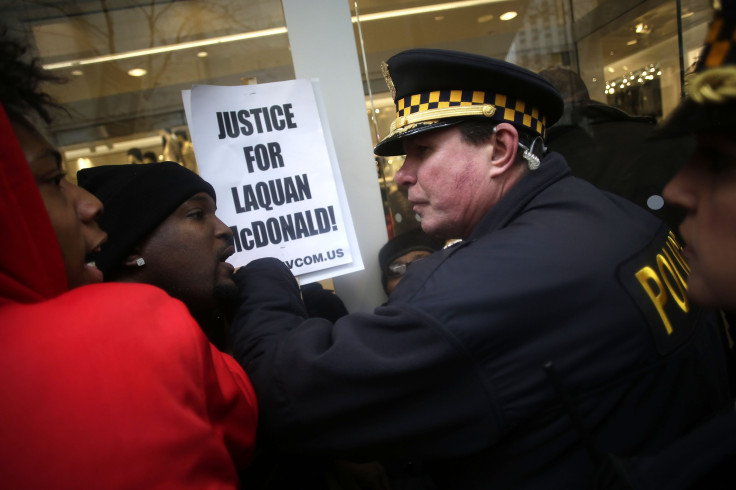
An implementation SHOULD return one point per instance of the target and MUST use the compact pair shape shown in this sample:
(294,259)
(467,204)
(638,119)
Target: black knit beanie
(402,244)
(136,197)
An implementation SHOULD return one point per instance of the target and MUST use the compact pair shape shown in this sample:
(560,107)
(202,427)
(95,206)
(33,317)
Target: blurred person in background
(135,156)
(589,135)
(401,251)
(149,157)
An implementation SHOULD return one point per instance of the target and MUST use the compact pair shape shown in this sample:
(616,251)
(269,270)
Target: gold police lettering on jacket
(667,280)
(656,280)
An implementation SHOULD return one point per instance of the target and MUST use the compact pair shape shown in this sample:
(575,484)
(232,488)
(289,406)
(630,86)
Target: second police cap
(434,88)
(710,105)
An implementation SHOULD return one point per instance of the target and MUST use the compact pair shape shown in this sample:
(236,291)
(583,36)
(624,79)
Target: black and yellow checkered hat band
(441,104)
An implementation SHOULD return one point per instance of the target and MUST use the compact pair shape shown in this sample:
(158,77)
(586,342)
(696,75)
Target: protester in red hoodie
(104,385)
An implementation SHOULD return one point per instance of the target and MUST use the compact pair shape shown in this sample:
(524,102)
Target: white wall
(323,46)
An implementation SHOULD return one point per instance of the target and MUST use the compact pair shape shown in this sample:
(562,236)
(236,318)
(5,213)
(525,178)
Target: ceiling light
(77,73)
(485,18)
(508,15)
(611,69)
(439,17)
(262,33)
(632,42)
(202,54)
(423,10)
(166,49)
(137,72)
(642,28)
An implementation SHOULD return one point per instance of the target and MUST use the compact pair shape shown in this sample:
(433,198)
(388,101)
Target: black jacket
(615,152)
(451,369)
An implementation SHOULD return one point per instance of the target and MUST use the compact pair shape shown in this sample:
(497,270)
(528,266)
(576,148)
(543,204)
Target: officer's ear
(505,146)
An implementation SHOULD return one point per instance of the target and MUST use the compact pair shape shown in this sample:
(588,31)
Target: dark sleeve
(389,384)
(322,303)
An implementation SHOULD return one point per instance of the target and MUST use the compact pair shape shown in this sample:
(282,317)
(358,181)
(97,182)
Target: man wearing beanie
(555,333)
(401,251)
(162,230)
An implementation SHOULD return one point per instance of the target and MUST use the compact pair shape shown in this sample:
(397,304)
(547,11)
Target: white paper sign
(264,150)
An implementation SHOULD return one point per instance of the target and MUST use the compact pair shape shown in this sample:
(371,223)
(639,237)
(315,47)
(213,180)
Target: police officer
(705,188)
(558,329)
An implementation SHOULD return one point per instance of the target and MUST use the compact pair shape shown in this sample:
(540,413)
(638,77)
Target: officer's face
(448,181)
(706,188)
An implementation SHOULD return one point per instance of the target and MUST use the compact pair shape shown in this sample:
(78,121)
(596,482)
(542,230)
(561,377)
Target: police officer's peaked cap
(710,104)
(434,88)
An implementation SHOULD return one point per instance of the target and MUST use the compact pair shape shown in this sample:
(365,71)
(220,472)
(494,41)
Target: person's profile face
(185,255)
(397,269)
(72,210)
(448,181)
(706,188)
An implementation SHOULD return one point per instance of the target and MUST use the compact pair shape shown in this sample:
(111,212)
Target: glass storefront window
(631,58)
(632,54)
(127,62)
(532,33)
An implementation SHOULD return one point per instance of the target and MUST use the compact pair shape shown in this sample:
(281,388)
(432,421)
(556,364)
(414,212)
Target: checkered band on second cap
(507,109)
(718,49)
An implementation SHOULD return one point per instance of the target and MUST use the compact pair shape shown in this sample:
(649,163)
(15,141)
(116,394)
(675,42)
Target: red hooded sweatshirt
(109,385)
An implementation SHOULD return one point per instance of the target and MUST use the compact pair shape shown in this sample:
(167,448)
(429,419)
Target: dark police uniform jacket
(451,370)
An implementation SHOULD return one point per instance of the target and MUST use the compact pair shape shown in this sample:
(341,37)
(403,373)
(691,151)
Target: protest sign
(267,151)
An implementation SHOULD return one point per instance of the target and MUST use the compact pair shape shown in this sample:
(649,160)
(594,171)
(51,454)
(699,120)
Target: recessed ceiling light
(202,54)
(137,72)
(485,18)
(508,15)
(439,17)
(77,73)
(642,28)
(632,42)
(611,69)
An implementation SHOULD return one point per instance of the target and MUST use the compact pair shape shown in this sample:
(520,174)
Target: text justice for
(259,119)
